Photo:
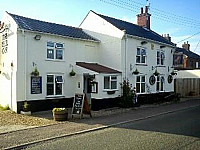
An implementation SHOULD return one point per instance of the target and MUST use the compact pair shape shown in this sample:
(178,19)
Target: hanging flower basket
(136,72)
(72,73)
(35,72)
(156,73)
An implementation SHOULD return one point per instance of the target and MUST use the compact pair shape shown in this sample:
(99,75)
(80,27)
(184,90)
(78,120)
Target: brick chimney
(143,19)
(167,37)
(186,46)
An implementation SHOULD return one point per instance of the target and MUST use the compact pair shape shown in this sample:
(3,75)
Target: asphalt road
(178,130)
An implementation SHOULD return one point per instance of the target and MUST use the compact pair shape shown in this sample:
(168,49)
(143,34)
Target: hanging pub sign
(36,85)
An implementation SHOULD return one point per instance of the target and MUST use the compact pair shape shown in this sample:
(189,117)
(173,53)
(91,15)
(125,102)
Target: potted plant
(72,73)
(26,109)
(35,72)
(60,114)
(156,73)
(136,72)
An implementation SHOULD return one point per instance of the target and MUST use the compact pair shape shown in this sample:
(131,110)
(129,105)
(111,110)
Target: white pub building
(46,63)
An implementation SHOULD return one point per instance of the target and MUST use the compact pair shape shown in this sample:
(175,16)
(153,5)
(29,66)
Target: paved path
(35,134)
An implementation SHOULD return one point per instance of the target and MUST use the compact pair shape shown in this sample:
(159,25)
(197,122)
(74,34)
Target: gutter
(142,38)
(37,32)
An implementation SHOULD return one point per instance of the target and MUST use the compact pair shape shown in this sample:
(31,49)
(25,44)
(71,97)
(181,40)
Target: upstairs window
(110,82)
(55,50)
(160,57)
(141,56)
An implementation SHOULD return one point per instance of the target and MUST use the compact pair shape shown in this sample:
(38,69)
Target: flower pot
(60,115)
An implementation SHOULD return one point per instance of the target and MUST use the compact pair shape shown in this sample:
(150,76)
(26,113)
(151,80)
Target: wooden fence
(187,86)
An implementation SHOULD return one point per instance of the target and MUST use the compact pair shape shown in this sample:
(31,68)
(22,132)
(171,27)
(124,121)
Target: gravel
(9,117)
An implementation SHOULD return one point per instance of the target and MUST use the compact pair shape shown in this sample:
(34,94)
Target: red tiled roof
(97,67)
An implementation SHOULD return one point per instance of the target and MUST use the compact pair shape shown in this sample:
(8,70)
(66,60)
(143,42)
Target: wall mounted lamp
(37,37)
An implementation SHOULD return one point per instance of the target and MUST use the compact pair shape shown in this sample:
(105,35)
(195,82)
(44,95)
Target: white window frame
(55,49)
(110,82)
(140,55)
(140,82)
(160,81)
(54,84)
(160,58)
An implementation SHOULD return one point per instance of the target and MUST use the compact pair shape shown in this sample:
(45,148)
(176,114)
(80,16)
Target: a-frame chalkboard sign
(79,104)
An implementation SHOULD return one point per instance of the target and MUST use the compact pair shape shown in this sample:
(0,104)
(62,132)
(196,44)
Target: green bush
(127,94)
(4,108)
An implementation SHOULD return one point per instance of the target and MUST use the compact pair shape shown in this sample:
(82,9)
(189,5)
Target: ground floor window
(140,84)
(54,85)
(160,83)
(110,82)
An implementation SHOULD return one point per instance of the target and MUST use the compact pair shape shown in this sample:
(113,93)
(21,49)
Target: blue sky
(179,18)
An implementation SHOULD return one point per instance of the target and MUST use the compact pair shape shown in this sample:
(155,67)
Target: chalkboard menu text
(36,85)
(78,105)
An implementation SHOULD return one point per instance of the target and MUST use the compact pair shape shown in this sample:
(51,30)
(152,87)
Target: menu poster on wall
(36,85)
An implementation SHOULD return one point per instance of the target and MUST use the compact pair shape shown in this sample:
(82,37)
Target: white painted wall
(131,52)
(93,22)
(8,73)
(75,50)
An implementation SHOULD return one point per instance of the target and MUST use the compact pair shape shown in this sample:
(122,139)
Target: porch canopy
(97,68)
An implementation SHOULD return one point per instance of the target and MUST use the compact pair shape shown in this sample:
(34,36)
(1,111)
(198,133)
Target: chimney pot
(143,19)
(146,9)
(141,10)
(186,46)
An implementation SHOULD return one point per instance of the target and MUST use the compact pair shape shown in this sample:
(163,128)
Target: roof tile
(135,30)
(52,28)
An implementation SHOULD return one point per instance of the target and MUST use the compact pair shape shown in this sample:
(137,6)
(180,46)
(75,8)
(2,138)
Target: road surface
(178,130)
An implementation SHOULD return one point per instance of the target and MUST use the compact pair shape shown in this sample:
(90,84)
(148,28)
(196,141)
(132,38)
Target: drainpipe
(11,96)
(125,47)
(24,63)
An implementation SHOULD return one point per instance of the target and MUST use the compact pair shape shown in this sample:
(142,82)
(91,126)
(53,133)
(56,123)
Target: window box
(110,92)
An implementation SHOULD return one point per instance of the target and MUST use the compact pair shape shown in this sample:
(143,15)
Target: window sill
(110,90)
(161,66)
(141,64)
(55,60)
(54,96)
